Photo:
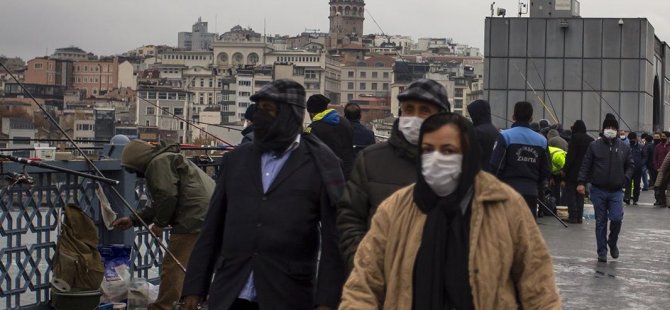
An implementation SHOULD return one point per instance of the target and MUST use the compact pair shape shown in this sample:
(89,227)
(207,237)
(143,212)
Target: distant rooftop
(71,49)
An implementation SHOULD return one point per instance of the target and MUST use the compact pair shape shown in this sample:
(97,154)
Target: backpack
(77,265)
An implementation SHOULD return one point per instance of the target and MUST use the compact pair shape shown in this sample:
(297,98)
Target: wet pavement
(638,279)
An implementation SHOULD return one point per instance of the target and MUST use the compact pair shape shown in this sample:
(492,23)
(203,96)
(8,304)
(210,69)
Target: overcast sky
(30,28)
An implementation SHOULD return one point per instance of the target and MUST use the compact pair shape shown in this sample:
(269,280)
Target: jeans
(607,205)
(574,201)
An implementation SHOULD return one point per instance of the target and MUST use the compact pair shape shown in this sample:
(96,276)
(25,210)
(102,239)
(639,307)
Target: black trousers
(637,179)
(243,304)
(574,201)
(531,201)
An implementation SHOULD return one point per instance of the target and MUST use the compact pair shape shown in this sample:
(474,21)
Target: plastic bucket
(589,213)
(84,300)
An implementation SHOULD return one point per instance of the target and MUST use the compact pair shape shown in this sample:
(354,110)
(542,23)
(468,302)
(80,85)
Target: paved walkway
(639,279)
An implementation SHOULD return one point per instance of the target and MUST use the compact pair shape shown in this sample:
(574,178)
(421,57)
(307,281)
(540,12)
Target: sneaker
(602,259)
(627,202)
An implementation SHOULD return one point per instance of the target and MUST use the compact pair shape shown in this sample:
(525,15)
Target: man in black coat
(272,211)
(363,137)
(486,133)
(335,131)
(383,168)
(579,143)
(639,159)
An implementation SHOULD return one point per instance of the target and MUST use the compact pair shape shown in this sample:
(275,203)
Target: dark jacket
(486,133)
(379,171)
(520,159)
(661,150)
(554,139)
(248,134)
(638,156)
(180,191)
(607,165)
(363,137)
(577,147)
(336,132)
(277,235)
(648,151)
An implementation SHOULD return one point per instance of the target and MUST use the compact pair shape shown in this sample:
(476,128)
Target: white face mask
(623,137)
(441,172)
(410,126)
(609,133)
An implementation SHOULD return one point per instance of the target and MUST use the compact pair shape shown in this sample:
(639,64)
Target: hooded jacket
(576,150)
(335,132)
(555,140)
(180,191)
(486,133)
(509,266)
(379,171)
(608,165)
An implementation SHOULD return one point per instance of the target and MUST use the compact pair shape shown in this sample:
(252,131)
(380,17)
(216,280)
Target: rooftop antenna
(265,39)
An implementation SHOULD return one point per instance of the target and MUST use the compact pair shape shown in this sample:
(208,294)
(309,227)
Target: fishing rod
(184,120)
(606,102)
(536,94)
(95,168)
(544,86)
(36,163)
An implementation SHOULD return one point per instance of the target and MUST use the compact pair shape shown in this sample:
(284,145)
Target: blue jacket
(520,159)
(362,136)
(638,156)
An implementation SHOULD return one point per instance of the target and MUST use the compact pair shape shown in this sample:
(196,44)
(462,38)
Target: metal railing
(29,226)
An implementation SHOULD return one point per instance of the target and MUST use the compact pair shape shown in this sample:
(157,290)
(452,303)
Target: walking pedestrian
(633,190)
(417,254)
(577,147)
(608,165)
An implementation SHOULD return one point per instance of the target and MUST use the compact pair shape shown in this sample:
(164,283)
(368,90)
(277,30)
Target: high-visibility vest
(557,159)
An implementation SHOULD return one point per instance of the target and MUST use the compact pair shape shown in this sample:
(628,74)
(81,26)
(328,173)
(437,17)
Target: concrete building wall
(579,68)
(95,76)
(127,77)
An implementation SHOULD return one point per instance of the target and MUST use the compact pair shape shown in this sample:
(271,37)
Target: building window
(179,111)
(151,95)
(166,110)
(458,103)
(363,74)
(386,75)
(374,86)
(202,82)
(458,93)
(211,83)
(162,96)
(244,83)
(350,96)
(147,123)
(362,86)
(209,99)
(201,99)
(385,86)
(374,74)
(244,94)
(351,74)
(350,85)
(38,66)
(151,111)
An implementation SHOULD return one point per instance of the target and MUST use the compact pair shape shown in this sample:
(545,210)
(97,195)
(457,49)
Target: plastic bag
(116,281)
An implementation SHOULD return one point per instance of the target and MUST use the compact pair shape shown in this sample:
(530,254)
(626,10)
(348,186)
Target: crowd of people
(441,215)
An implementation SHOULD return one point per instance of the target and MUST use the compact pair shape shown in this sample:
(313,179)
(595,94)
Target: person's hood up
(553,133)
(328,116)
(249,129)
(579,127)
(137,154)
(480,112)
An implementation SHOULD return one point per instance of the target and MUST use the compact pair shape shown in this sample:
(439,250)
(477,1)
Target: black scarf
(441,279)
(276,134)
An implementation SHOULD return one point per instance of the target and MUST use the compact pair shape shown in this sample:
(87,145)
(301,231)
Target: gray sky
(28,28)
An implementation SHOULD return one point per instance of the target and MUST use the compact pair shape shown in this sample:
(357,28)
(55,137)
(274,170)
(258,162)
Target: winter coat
(648,151)
(180,191)
(521,160)
(638,156)
(277,233)
(336,132)
(607,165)
(363,137)
(509,263)
(576,150)
(662,149)
(557,159)
(379,171)
(485,132)
(554,139)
